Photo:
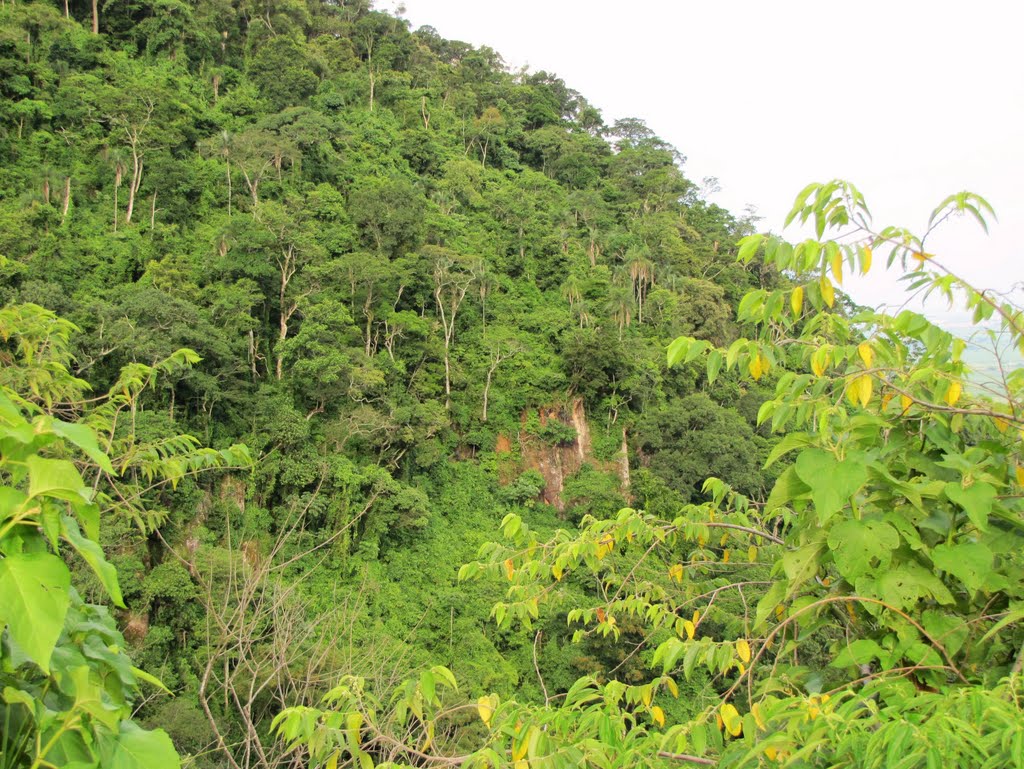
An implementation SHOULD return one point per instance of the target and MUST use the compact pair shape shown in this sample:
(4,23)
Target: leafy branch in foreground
(867,613)
(67,685)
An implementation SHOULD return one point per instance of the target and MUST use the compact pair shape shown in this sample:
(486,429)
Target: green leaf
(35,589)
(92,553)
(802,564)
(677,350)
(904,585)
(427,686)
(766,606)
(970,562)
(859,652)
(714,365)
(136,748)
(787,488)
(787,444)
(861,547)
(1015,614)
(832,482)
(976,500)
(83,437)
(149,678)
(56,478)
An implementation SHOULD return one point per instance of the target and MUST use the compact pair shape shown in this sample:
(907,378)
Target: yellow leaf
(813,711)
(696,617)
(658,715)
(332,762)
(676,572)
(837,267)
(828,293)
(752,553)
(755,367)
(906,402)
(731,719)
(742,669)
(866,261)
(646,695)
(605,545)
(862,387)
(743,650)
(1001,424)
(866,353)
(522,763)
(953,393)
(556,572)
(755,709)
(510,568)
(921,256)
(518,752)
(725,556)
(689,628)
(796,300)
(820,360)
(671,686)
(718,721)
(485,707)
(1020,475)
(771,753)
(780,610)
(723,540)
(886,397)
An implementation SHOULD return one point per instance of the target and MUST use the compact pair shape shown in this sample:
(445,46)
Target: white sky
(909,99)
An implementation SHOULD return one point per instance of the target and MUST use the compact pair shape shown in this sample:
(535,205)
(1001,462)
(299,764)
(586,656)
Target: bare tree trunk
(117,186)
(95,17)
(487,390)
(288,267)
(229,188)
(67,199)
(133,186)
(253,354)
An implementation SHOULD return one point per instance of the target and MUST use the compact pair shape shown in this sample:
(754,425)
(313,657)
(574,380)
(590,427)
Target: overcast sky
(910,100)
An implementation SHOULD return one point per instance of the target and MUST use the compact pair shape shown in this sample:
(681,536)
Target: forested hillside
(432,297)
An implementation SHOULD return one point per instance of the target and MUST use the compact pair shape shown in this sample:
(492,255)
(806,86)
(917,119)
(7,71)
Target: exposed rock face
(560,461)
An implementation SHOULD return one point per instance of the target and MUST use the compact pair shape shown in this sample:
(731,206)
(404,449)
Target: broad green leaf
(970,562)
(714,365)
(136,748)
(832,482)
(861,547)
(787,488)
(56,478)
(92,553)
(976,500)
(948,629)
(427,685)
(787,444)
(35,590)
(860,652)
(802,564)
(83,437)
(907,583)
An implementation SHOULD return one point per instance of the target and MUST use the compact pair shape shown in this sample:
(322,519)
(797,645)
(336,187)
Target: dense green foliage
(392,257)
(433,298)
